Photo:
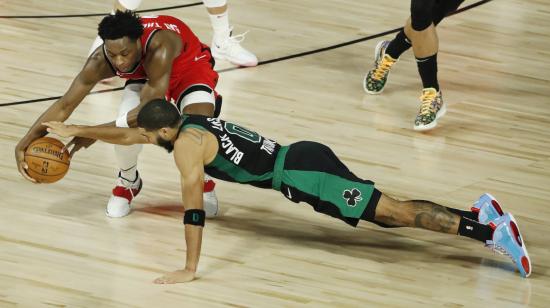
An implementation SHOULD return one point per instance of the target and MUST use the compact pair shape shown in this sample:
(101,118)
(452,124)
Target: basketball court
(58,248)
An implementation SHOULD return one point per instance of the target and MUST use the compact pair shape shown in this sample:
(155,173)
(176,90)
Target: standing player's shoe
(209,199)
(227,47)
(431,109)
(487,208)
(375,80)
(508,241)
(123,194)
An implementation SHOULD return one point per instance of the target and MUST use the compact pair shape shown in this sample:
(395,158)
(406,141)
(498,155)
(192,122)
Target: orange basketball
(46,160)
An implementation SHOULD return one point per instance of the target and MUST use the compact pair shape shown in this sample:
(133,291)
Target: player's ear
(164,132)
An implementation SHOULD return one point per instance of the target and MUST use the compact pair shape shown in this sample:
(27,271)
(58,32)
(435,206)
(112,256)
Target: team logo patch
(352,197)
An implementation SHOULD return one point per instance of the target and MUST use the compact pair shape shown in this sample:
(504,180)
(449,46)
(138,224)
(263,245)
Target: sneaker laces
(499,249)
(233,39)
(427,99)
(127,185)
(383,68)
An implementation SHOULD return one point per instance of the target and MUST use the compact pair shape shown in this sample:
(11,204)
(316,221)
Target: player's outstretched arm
(115,135)
(188,154)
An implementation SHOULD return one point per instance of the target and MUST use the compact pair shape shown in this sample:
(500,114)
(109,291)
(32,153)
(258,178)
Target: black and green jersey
(304,171)
(243,155)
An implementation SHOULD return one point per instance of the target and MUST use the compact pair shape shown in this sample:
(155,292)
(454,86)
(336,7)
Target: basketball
(46,160)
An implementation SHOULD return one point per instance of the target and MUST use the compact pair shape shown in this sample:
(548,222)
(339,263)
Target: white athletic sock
(126,157)
(220,24)
(129,174)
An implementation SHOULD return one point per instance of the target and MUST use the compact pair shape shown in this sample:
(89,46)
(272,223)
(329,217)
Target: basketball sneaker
(227,47)
(375,80)
(507,240)
(209,198)
(123,194)
(487,208)
(431,109)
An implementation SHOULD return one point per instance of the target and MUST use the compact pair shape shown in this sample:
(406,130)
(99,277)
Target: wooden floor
(57,247)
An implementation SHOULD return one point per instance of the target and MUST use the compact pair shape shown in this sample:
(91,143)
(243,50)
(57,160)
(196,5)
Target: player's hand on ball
(60,129)
(21,164)
(79,143)
(176,277)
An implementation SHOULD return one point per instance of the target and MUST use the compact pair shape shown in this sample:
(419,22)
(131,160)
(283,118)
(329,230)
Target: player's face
(156,138)
(123,53)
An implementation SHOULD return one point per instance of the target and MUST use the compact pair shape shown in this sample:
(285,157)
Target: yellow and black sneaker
(375,80)
(431,109)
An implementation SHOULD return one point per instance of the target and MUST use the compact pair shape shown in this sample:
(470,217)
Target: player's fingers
(74,150)
(22,167)
(68,145)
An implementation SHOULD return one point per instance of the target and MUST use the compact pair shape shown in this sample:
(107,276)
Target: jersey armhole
(149,39)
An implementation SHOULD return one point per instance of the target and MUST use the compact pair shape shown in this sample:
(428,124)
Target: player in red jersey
(161,58)
(225,45)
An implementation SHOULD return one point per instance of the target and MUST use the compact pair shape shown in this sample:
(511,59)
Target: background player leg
(420,29)
(224,46)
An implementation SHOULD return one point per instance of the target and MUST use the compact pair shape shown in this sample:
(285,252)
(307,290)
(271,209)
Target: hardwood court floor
(57,247)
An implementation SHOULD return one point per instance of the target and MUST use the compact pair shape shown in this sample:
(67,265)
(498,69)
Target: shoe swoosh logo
(289,194)
(198,58)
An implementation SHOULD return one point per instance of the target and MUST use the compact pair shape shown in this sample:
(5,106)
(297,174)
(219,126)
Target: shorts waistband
(278,168)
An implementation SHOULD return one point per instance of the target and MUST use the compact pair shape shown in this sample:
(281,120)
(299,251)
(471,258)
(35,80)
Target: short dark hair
(119,25)
(158,113)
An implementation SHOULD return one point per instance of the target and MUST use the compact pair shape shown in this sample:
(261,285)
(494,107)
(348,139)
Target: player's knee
(381,211)
(421,14)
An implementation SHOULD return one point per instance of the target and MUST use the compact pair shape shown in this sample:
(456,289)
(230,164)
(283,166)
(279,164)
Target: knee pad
(421,14)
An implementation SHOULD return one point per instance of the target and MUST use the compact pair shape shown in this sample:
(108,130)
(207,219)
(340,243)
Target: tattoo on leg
(432,216)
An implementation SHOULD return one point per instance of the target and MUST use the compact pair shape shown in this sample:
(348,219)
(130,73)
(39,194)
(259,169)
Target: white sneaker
(210,203)
(209,199)
(123,193)
(227,47)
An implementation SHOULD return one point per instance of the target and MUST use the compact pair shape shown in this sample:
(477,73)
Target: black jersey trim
(149,40)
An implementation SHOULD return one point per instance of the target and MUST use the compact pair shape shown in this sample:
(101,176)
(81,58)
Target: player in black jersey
(303,171)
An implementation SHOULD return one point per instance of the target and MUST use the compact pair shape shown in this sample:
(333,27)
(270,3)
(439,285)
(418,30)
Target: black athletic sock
(427,67)
(398,45)
(467,214)
(473,229)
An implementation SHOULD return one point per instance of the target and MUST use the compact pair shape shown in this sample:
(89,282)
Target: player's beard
(166,144)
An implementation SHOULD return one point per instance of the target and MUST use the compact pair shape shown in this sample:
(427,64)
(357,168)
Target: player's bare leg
(500,233)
